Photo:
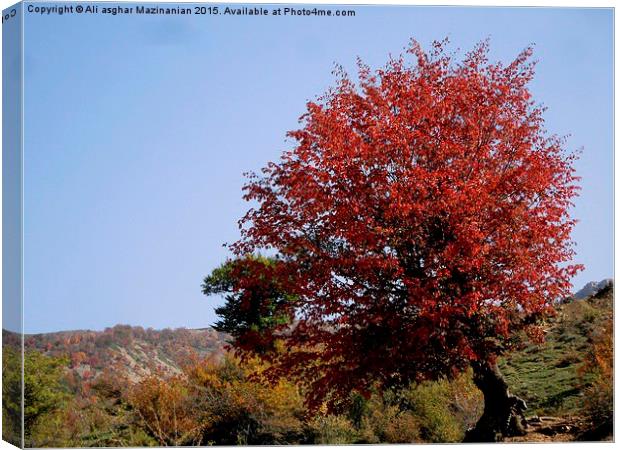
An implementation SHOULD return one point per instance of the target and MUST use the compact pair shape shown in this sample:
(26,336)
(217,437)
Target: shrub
(403,429)
(599,395)
(333,429)
(385,421)
(430,403)
(167,411)
(240,410)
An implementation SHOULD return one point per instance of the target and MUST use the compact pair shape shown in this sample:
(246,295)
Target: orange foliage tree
(419,222)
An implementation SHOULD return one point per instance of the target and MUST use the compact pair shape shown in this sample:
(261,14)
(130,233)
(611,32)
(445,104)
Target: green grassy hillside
(553,378)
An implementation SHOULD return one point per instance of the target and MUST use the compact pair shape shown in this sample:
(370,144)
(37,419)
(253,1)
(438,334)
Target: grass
(548,376)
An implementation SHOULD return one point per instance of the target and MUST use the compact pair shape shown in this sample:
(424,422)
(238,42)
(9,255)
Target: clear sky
(138,130)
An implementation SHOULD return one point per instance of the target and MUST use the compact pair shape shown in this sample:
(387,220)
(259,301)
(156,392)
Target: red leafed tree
(420,225)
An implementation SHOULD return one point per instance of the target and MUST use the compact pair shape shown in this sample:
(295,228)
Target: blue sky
(138,128)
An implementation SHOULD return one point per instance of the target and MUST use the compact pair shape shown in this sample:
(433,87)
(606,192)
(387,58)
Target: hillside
(547,376)
(133,352)
(97,385)
(557,377)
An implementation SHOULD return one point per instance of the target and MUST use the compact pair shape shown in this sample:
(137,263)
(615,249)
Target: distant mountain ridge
(592,288)
(134,352)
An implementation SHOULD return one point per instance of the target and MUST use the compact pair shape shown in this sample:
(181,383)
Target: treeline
(172,341)
(220,402)
(125,348)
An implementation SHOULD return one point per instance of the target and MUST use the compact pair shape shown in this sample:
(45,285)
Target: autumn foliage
(599,368)
(419,221)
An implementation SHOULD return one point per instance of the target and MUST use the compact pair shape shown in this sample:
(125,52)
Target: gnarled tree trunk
(503,412)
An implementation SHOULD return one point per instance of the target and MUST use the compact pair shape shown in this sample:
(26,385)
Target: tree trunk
(503,412)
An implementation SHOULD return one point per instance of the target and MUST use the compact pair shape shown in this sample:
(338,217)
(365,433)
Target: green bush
(430,403)
(332,429)
(403,429)
(385,421)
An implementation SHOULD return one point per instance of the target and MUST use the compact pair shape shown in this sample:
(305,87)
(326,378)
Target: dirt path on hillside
(553,429)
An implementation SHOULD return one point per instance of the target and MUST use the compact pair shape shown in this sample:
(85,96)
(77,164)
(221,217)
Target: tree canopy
(254,299)
(420,221)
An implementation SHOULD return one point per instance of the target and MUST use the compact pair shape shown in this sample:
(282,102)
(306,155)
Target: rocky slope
(131,351)
(592,288)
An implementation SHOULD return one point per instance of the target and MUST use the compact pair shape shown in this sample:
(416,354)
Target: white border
(479,3)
